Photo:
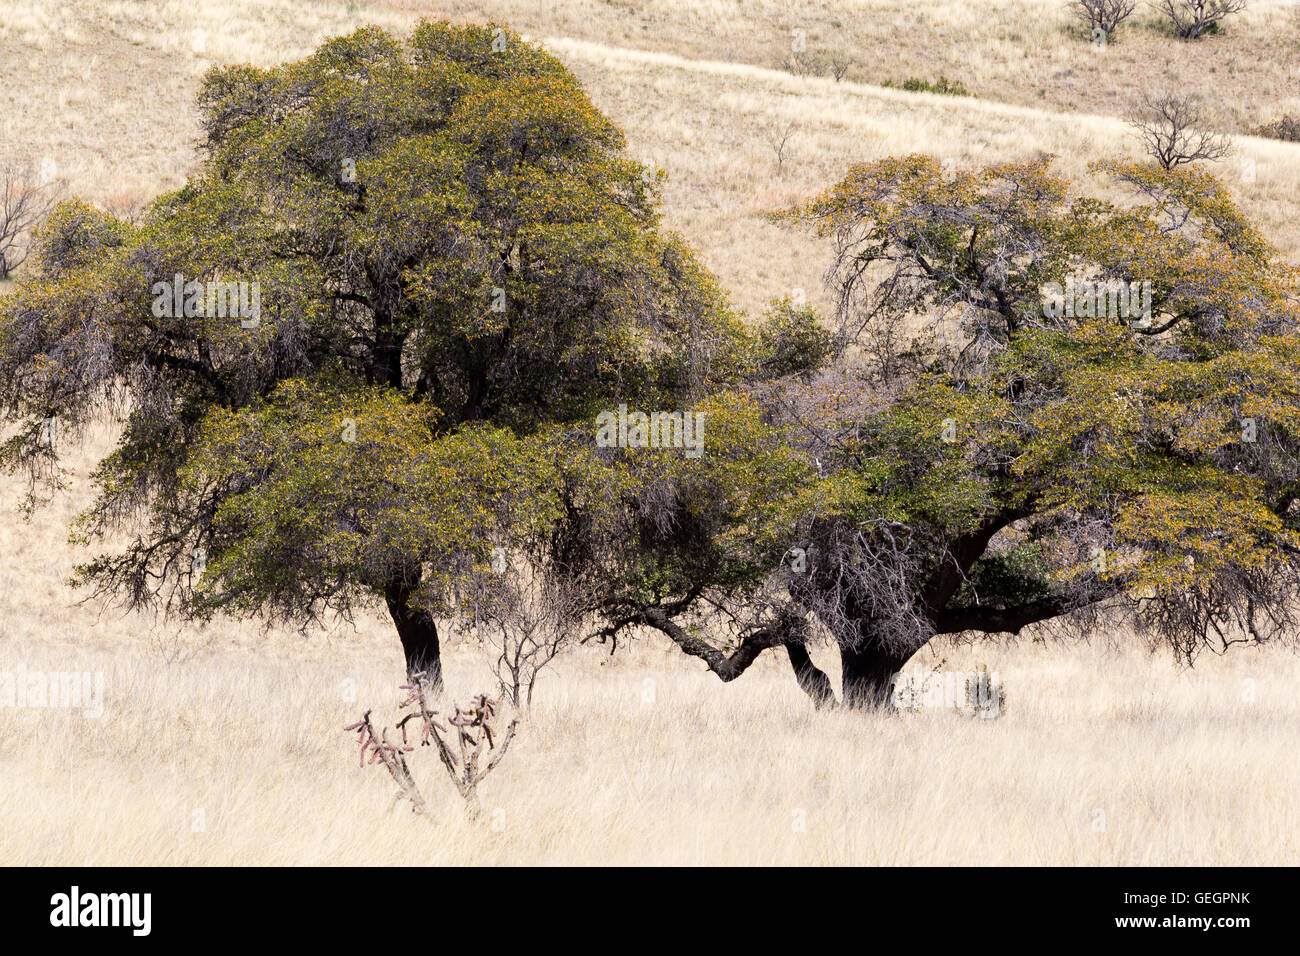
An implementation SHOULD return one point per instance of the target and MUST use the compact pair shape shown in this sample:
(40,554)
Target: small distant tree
(1192,19)
(24,203)
(778,137)
(528,619)
(1102,17)
(1174,134)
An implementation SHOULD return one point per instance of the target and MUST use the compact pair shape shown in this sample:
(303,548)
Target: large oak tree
(451,253)
(978,458)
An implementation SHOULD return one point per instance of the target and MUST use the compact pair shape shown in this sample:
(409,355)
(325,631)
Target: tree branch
(727,666)
(811,678)
(998,620)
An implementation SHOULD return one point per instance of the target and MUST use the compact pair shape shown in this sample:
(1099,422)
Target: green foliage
(329,483)
(942,86)
(75,235)
(1018,575)
(660,525)
(452,252)
(1142,455)
(459,268)
(980,462)
(791,338)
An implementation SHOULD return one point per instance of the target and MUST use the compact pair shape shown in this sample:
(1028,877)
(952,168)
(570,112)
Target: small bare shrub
(1286,129)
(1174,133)
(1192,19)
(1102,17)
(128,206)
(24,203)
(778,137)
(527,618)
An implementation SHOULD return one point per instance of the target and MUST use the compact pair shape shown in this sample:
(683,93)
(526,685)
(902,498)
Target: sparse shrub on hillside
(1286,129)
(778,137)
(1102,17)
(804,63)
(469,746)
(1193,19)
(942,85)
(1174,131)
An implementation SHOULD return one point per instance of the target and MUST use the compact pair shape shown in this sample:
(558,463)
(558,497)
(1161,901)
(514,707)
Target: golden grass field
(225,746)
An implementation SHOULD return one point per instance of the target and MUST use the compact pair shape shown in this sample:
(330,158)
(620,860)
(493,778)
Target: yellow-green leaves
(336,488)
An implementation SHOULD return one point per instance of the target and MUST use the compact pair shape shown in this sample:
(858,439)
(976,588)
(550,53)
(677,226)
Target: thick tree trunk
(418,632)
(869,673)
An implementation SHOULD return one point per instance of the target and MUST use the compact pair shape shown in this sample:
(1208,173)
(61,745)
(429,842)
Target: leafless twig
(778,138)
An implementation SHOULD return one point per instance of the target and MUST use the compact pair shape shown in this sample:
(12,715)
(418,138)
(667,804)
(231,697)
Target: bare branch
(24,203)
(1173,131)
(1192,19)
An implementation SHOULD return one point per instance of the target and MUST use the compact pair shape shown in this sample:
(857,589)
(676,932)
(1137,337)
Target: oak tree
(442,249)
(981,456)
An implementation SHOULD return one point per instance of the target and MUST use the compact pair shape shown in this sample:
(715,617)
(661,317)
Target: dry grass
(1102,757)
(643,758)
(1105,754)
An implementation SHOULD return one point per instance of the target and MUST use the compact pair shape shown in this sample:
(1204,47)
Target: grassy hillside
(703,88)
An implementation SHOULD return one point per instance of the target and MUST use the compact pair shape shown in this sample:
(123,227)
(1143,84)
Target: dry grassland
(225,746)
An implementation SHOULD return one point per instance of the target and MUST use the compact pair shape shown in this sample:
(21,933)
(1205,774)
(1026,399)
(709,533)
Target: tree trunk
(811,678)
(418,632)
(869,673)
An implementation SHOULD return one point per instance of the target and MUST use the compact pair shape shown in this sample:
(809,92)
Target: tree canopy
(976,458)
(449,252)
